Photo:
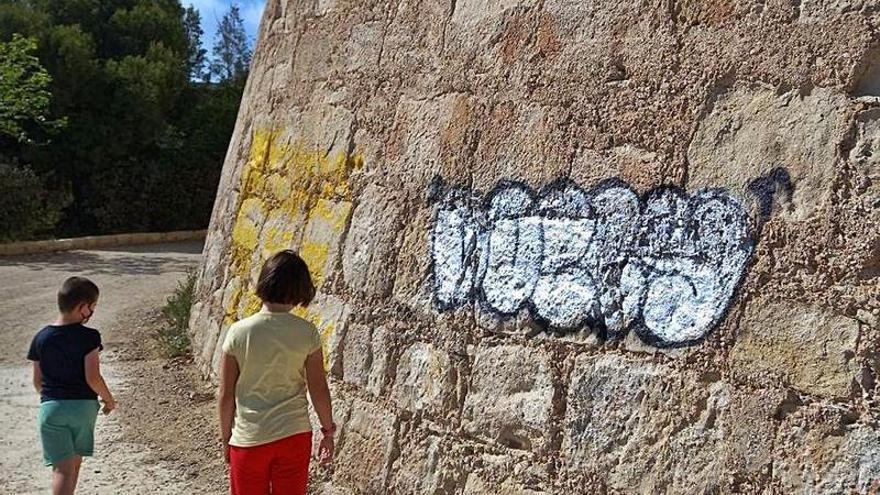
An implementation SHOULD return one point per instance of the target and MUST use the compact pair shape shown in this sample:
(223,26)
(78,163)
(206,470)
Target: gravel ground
(161,439)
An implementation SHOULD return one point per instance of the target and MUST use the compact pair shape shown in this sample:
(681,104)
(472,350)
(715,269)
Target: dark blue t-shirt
(61,351)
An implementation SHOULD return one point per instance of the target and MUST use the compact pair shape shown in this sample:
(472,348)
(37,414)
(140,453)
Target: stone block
(366,356)
(357,355)
(750,426)
(341,413)
(510,396)
(217,352)
(369,440)
(751,131)
(381,348)
(427,465)
(809,348)
(639,427)
(329,314)
(325,227)
(610,398)
(425,380)
(278,231)
(433,134)
(476,485)
(368,261)
(411,278)
(511,474)
(361,51)
(824,457)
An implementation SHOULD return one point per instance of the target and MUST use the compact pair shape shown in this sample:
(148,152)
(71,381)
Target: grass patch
(174,334)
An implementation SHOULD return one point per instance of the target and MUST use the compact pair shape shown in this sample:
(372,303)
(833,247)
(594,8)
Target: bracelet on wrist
(330,430)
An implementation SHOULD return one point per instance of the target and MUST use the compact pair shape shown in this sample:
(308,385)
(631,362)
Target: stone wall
(571,247)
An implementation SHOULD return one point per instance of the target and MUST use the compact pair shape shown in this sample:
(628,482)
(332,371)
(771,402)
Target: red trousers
(279,467)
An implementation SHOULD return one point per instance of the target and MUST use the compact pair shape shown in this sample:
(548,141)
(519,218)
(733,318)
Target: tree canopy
(108,100)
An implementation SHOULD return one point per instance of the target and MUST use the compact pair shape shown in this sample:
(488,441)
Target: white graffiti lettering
(666,266)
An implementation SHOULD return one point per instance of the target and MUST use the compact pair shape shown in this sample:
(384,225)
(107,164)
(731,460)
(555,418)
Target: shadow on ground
(131,260)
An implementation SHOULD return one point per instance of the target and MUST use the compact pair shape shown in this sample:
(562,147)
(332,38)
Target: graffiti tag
(665,265)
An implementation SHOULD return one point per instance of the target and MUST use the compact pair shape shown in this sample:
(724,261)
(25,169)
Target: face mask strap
(91,313)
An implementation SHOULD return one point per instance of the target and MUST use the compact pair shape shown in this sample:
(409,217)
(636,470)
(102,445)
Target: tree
(29,208)
(144,142)
(232,51)
(196,55)
(24,91)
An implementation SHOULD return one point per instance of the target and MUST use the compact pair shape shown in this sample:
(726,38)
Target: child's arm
(316,378)
(96,381)
(226,401)
(38,377)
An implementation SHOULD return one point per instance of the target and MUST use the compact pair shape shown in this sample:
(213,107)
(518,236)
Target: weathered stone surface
(827,458)
(357,355)
(328,488)
(371,246)
(341,414)
(355,111)
(432,133)
(413,267)
(809,348)
(322,236)
(330,316)
(425,380)
(476,485)
(865,153)
(426,465)
(750,423)
(365,357)
(505,474)
(609,417)
(752,131)
(380,352)
(369,440)
(510,396)
(632,425)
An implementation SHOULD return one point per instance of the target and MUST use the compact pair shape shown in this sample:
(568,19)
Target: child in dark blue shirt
(67,376)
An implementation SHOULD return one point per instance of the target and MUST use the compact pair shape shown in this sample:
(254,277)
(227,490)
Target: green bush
(30,210)
(174,334)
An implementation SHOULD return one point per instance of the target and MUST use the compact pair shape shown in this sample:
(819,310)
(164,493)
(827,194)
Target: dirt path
(160,440)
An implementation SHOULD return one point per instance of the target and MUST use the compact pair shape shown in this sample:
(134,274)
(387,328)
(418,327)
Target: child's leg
(249,470)
(289,471)
(78,467)
(64,475)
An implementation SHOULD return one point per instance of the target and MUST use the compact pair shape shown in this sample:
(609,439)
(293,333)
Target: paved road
(130,279)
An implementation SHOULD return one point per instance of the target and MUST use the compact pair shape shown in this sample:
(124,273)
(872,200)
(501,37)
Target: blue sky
(213,10)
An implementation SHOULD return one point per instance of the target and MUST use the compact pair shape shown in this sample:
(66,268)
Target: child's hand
(109,406)
(224,446)
(325,449)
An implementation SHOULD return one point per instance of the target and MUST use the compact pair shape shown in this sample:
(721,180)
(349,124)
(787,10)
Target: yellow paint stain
(277,233)
(335,215)
(277,241)
(281,177)
(234,301)
(325,330)
(253,305)
(245,231)
(315,255)
(279,186)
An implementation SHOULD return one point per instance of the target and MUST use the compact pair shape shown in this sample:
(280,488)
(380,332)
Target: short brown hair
(75,291)
(285,279)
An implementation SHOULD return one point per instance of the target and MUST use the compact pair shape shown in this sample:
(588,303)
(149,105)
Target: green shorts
(67,428)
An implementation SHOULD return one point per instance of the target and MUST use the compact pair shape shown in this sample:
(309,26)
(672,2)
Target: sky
(212,11)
